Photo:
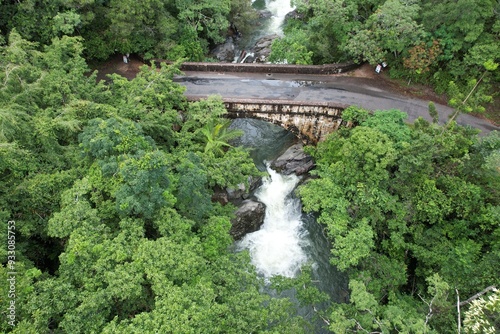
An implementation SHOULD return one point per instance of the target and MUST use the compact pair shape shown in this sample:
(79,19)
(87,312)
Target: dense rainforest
(105,188)
(109,188)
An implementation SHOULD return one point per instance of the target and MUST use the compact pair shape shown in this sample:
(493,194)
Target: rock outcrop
(224,52)
(262,48)
(294,160)
(236,196)
(294,15)
(249,218)
(264,13)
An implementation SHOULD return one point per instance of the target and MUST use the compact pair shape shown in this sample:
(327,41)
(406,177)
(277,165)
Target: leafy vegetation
(154,28)
(110,185)
(421,41)
(110,189)
(413,216)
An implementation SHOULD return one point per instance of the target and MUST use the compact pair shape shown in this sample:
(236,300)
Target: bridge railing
(326,69)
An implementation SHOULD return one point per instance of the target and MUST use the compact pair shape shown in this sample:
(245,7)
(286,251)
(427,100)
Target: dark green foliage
(424,41)
(110,188)
(193,194)
(433,112)
(412,217)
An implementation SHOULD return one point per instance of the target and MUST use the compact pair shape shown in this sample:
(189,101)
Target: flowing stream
(288,238)
(279,247)
(267,25)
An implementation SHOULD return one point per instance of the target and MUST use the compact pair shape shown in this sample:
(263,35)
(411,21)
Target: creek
(288,238)
(266,25)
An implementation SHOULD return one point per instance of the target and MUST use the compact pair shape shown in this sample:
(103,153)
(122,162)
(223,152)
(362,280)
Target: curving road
(363,92)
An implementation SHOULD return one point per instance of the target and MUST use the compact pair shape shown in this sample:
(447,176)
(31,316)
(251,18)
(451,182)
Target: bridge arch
(310,121)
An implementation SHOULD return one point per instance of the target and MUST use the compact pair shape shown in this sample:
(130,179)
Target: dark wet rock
(294,15)
(249,218)
(249,59)
(264,13)
(220,195)
(236,196)
(224,52)
(262,47)
(294,160)
(264,42)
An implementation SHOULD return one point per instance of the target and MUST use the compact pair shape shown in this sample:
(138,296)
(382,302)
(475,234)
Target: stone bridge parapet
(326,69)
(310,121)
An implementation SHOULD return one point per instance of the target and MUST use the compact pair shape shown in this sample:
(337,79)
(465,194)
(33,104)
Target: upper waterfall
(279,8)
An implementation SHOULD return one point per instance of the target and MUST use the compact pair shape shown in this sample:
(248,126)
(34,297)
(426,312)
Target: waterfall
(265,26)
(278,248)
(288,238)
(279,8)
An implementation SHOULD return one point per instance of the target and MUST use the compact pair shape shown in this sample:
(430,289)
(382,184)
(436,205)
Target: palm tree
(217,135)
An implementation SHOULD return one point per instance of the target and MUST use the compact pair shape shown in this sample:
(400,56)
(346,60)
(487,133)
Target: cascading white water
(279,8)
(278,247)
(266,26)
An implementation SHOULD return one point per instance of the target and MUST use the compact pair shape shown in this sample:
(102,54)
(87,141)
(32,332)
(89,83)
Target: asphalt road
(363,92)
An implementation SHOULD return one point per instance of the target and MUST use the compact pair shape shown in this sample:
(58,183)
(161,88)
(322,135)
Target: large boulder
(294,160)
(262,48)
(294,14)
(249,218)
(264,13)
(236,195)
(224,52)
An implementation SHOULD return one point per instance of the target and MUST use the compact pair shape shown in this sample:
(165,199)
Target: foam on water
(279,8)
(278,247)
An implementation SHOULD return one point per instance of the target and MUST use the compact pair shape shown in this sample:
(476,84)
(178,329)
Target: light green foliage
(483,315)
(474,95)
(392,123)
(237,167)
(152,100)
(355,114)
(291,49)
(217,136)
(66,22)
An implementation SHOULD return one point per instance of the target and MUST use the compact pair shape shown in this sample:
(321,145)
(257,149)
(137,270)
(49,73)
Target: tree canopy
(110,189)
(413,216)
(428,42)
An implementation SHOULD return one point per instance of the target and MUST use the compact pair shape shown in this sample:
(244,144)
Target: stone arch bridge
(310,121)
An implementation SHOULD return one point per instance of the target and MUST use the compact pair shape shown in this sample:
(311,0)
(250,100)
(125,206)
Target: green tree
(218,136)
(482,316)
(291,49)
(392,28)
(409,212)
